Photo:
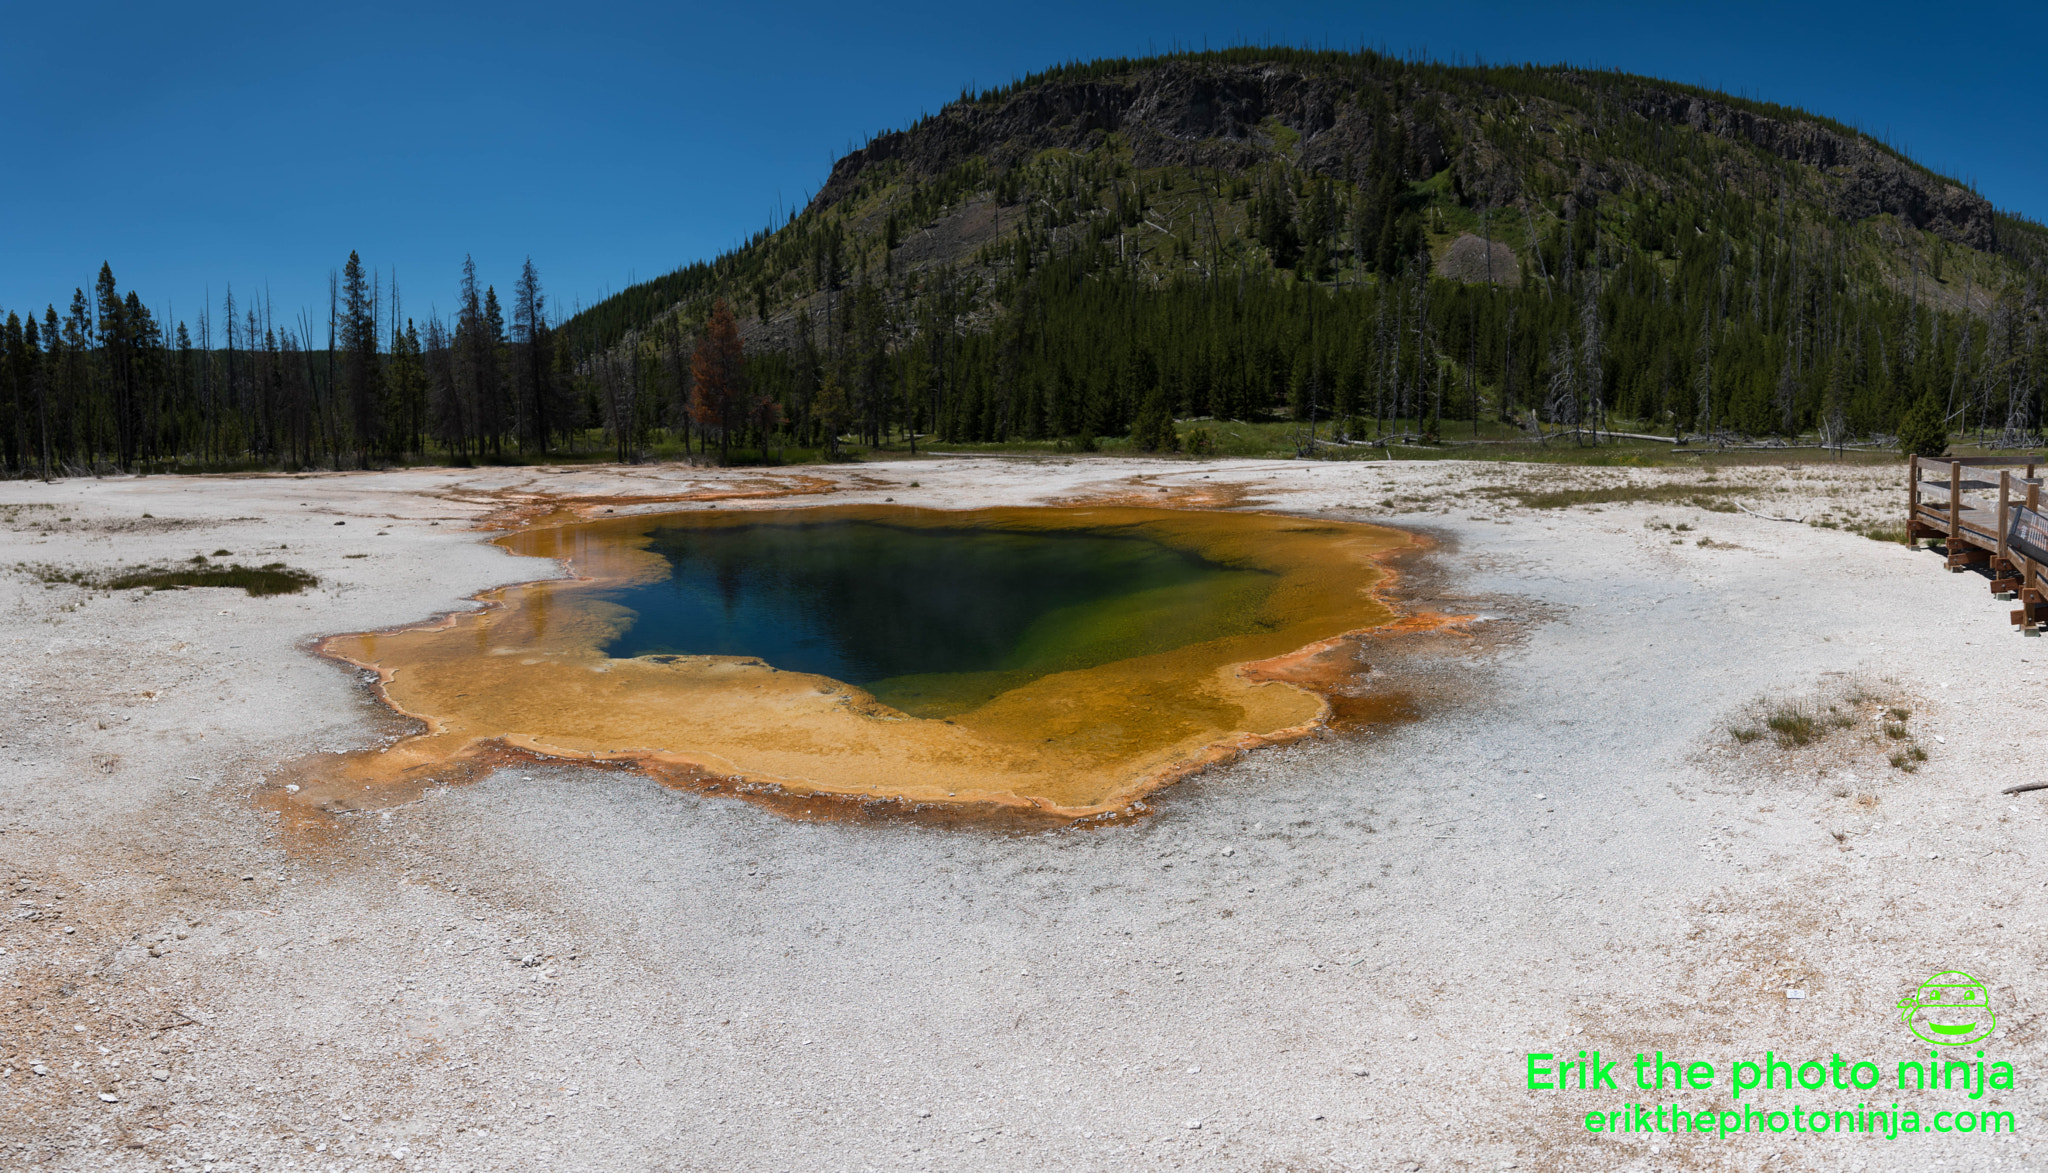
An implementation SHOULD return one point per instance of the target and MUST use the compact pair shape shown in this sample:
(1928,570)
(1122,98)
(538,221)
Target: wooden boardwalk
(1986,512)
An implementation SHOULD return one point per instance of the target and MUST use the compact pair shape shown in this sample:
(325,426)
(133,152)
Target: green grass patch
(1795,728)
(273,578)
(1795,723)
(1689,494)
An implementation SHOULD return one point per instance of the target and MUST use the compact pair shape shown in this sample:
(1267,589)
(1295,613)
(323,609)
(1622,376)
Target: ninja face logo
(1949,1009)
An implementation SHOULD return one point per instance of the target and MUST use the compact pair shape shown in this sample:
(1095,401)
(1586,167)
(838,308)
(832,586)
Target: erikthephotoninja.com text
(1969,1074)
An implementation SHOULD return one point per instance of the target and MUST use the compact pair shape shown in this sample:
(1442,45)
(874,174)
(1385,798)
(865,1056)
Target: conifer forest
(1134,253)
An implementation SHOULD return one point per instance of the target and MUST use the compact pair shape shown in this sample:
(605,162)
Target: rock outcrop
(1230,117)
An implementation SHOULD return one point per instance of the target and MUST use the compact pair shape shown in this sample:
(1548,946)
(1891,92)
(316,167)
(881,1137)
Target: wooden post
(1955,507)
(2004,508)
(1913,502)
(2031,588)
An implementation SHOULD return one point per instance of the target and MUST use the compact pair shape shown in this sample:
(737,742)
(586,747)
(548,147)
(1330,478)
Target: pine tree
(533,344)
(362,373)
(117,369)
(1922,432)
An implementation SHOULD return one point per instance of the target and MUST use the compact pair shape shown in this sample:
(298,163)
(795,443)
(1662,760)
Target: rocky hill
(1507,136)
(1278,231)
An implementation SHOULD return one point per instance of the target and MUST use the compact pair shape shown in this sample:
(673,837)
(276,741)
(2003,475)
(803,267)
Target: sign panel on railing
(2028,533)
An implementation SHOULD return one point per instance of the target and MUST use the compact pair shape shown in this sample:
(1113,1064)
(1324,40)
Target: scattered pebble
(1795,995)
(160,1075)
(1194,1124)
(1355,1070)
(109,1098)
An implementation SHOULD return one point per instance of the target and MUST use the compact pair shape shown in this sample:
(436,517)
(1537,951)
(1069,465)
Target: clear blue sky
(197,145)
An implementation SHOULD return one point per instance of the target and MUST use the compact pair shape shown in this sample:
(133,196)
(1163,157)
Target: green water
(933,621)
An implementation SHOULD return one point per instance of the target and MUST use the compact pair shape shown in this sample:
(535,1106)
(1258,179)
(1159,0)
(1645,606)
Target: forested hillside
(1106,247)
(1128,249)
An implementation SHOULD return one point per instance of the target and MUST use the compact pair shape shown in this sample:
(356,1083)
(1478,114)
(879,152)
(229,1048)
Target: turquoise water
(931,620)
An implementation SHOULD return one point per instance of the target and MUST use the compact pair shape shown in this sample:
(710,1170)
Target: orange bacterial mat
(529,672)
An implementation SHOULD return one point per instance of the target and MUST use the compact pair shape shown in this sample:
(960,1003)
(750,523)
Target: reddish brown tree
(718,377)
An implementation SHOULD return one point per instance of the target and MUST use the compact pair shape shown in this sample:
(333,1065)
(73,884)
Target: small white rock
(1795,995)
(1194,1071)
(1356,1069)
(70,929)
(1192,1124)
(109,1098)
(39,1069)
(160,1075)
(922,1114)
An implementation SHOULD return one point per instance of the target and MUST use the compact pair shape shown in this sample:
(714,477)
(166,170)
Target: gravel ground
(1333,955)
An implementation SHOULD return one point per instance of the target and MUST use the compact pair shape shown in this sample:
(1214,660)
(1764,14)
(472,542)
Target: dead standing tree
(1592,352)
(718,374)
(618,382)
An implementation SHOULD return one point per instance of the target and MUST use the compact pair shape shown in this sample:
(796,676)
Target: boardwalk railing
(1986,511)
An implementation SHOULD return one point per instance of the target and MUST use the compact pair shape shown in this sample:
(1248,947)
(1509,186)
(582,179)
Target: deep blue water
(950,616)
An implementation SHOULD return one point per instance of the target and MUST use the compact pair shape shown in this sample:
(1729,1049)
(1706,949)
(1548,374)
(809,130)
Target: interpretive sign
(2028,533)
